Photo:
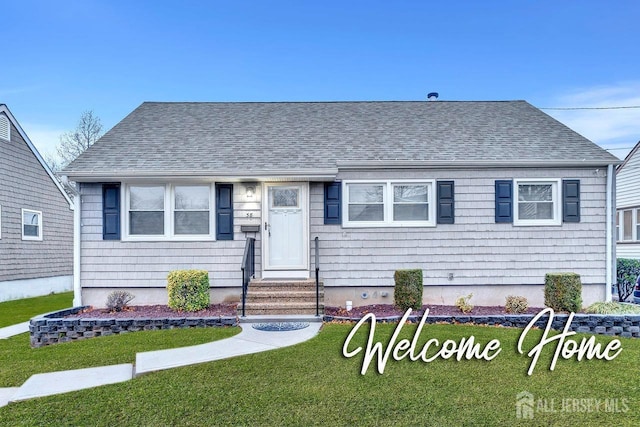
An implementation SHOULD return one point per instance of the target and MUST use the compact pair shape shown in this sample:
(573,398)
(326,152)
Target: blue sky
(62,58)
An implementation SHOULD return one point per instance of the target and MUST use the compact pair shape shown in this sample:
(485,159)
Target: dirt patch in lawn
(155,312)
(388,310)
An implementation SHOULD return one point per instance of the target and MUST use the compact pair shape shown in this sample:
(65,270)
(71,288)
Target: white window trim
(634,224)
(0,222)
(40,225)
(169,205)
(387,200)
(556,196)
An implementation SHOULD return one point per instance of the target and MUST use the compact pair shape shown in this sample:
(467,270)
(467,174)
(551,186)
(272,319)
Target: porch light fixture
(250,192)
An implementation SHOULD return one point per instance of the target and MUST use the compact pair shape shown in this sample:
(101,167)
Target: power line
(591,108)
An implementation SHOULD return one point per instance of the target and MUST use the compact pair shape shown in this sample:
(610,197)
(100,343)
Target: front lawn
(18,311)
(313,384)
(18,361)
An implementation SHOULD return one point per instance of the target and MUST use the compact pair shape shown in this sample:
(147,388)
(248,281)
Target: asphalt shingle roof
(239,137)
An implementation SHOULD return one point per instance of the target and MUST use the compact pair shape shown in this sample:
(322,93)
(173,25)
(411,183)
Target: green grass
(18,311)
(18,361)
(612,308)
(313,384)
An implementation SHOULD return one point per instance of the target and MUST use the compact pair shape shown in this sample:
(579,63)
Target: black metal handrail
(248,268)
(317,254)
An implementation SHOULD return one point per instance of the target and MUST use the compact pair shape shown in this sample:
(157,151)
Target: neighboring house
(628,206)
(36,219)
(484,197)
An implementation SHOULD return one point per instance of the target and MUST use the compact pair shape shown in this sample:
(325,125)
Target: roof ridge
(337,102)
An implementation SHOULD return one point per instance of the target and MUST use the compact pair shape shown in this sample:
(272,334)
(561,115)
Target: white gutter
(77,228)
(208,176)
(609,219)
(470,164)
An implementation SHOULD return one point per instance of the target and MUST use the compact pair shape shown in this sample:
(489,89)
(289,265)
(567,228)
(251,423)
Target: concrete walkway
(248,341)
(10,331)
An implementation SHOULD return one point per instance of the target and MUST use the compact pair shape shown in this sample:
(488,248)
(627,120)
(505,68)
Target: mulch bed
(217,310)
(389,310)
(155,312)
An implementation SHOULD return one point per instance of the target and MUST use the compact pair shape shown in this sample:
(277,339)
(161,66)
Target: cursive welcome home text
(467,348)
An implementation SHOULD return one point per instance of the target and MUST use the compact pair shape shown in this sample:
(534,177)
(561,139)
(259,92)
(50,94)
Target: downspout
(609,216)
(77,227)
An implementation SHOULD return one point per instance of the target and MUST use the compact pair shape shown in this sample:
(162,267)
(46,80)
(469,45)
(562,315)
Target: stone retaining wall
(601,324)
(53,328)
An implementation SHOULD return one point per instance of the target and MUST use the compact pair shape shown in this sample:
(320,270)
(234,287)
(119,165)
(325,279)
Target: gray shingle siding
(108,263)
(25,184)
(475,249)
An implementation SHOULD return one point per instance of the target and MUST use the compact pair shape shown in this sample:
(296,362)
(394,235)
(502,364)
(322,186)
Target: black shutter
(504,201)
(224,211)
(446,208)
(571,200)
(111,212)
(332,202)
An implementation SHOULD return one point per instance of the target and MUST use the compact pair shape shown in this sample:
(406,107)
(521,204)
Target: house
(36,219)
(484,197)
(628,206)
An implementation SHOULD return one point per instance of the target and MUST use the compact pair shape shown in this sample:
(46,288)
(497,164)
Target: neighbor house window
(388,203)
(538,202)
(628,225)
(169,211)
(627,221)
(31,225)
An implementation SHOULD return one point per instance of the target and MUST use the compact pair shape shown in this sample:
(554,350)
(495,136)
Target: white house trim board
(281,222)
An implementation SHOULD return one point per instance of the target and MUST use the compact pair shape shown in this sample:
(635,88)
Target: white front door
(285,242)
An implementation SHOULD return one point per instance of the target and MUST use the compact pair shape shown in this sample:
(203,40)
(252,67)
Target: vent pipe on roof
(433,96)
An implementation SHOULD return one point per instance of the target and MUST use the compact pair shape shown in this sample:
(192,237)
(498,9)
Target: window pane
(30,218)
(191,222)
(31,230)
(411,212)
(638,224)
(410,194)
(535,192)
(192,198)
(628,225)
(146,198)
(366,193)
(284,197)
(146,223)
(366,213)
(540,210)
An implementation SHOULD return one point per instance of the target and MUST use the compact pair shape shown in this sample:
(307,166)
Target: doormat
(280,326)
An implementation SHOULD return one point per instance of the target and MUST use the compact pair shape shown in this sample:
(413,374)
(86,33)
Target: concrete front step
(282,296)
(302,296)
(281,308)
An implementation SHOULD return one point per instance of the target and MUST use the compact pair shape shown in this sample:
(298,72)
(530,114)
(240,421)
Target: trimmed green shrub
(118,300)
(628,272)
(188,290)
(516,304)
(408,289)
(463,303)
(563,291)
